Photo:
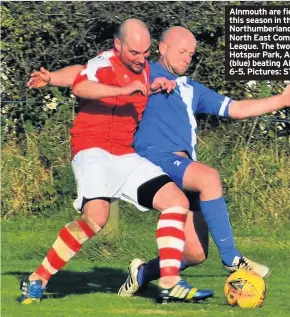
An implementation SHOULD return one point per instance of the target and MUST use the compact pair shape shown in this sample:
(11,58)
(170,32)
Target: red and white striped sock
(170,240)
(69,242)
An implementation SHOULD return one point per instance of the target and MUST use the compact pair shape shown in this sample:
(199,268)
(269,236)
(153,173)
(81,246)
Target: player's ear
(162,48)
(117,44)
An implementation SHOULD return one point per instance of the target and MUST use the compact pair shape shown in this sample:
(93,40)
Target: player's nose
(141,59)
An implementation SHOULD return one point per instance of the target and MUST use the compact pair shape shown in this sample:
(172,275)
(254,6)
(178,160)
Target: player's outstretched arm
(63,77)
(256,107)
(89,89)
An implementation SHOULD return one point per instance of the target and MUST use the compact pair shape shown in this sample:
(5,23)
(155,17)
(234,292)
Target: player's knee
(176,197)
(97,211)
(212,178)
(171,197)
(161,193)
(213,175)
(99,220)
(181,201)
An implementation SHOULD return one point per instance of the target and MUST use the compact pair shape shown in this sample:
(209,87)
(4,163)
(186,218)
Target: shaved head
(176,48)
(126,29)
(133,44)
(174,33)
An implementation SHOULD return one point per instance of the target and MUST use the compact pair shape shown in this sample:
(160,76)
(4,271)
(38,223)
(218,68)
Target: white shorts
(99,173)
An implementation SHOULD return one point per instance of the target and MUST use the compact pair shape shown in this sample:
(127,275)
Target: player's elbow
(87,90)
(78,90)
(75,91)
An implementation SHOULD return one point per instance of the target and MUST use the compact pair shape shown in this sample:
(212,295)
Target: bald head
(177,33)
(176,48)
(132,28)
(133,44)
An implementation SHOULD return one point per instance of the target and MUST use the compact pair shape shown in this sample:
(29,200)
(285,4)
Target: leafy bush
(57,34)
(36,174)
(36,177)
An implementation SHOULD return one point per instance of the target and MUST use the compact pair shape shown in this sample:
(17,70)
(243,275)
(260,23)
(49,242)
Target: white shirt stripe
(223,106)
(186,94)
(145,76)
(95,63)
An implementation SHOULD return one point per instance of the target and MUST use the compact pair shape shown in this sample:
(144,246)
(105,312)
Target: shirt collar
(159,69)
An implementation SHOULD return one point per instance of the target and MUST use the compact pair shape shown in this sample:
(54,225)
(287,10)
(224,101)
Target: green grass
(87,286)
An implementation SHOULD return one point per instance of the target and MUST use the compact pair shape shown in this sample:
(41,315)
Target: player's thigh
(143,183)
(172,164)
(166,194)
(91,170)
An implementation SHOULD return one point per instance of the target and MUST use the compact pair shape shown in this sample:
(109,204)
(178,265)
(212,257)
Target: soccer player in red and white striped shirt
(113,90)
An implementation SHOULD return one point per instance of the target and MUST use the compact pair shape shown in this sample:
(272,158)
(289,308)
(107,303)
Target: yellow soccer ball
(245,289)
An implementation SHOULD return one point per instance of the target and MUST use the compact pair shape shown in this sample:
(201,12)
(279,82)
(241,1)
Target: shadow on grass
(98,280)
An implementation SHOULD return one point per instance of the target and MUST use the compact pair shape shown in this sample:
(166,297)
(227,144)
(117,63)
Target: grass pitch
(88,285)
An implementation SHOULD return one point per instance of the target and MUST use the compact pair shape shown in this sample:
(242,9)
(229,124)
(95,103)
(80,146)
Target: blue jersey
(168,124)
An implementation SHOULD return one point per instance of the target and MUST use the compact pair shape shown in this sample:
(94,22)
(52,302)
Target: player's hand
(39,79)
(162,84)
(286,96)
(134,87)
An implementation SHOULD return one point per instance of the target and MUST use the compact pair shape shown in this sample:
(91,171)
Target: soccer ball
(245,289)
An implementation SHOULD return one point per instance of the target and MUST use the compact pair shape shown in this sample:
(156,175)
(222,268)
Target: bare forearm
(94,90)
(256,107)
(65,77)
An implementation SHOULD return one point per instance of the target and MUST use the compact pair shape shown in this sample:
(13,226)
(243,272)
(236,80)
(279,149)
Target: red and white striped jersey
(108,123)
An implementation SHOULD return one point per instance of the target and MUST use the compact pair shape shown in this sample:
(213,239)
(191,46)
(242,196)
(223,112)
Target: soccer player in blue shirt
(167,136)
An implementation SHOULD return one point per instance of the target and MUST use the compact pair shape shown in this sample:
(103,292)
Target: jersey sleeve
(93,69)
(211,102)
